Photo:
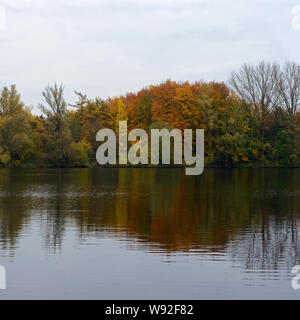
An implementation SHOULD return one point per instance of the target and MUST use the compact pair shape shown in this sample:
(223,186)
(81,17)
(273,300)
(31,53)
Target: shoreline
(154,167)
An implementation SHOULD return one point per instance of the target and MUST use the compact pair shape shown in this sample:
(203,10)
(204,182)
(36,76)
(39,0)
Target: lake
(149,233)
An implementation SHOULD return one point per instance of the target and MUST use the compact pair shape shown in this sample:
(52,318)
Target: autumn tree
(255,118)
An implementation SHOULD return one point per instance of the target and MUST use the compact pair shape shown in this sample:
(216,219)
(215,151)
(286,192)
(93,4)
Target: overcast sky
(108,47)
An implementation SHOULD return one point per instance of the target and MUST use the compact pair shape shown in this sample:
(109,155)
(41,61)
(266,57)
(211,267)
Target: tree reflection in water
(250,214)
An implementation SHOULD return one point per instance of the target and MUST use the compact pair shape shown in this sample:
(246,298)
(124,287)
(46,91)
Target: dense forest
(252,120)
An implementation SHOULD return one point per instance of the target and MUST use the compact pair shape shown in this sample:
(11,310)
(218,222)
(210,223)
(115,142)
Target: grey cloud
(108,47)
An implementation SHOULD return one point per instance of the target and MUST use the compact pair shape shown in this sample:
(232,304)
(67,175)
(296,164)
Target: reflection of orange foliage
(161,208)
(177,214)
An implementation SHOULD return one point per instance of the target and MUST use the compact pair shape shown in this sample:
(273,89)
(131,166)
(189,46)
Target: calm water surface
(149,233)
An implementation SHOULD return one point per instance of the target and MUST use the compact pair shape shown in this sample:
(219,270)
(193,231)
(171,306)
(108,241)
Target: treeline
(253,120)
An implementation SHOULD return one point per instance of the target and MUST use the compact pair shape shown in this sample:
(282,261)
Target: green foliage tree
(80,154)
(15,130)
(59,135)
